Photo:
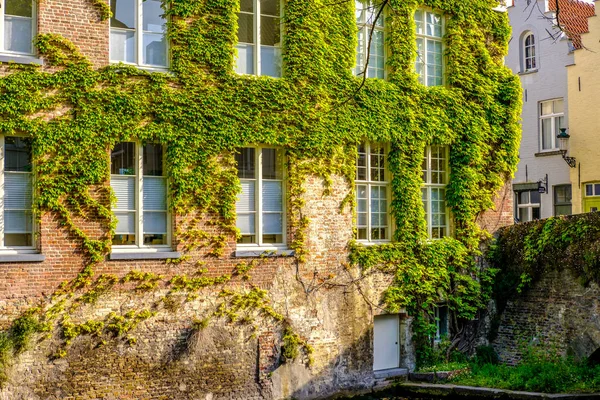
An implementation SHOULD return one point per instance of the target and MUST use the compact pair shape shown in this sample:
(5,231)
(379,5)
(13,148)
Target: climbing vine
(202,112)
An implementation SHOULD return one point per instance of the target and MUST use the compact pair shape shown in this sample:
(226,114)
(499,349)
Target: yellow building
(584,121)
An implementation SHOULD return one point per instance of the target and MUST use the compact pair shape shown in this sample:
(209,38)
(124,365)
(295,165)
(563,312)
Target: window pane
(244,63)
(272,167)
(597,189)
(18,154)
(535,211)
(247,5)
(562,194)
(419,22)
(155,49)
(21,8)
(559,107)
(123,239)
(245,223)
(123,13)
(361,164)
(18,221)
(155,223)
(122,45)
(124,190)
(547,133)
(122,159)
(155,239)
(562,210)
(270,61)
(546,108)
(535,197)
(152,159)
(18,239)
(245,28)
(246,200)
(269,31)
(589,190)
(524,214)
(17,191)
(152,19)
(125,223)
(18,34)
(269,7)
(245,161)
(272,224)
(155,194)
(272,196)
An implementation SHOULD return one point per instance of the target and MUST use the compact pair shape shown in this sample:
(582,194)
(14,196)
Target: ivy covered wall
(202,111)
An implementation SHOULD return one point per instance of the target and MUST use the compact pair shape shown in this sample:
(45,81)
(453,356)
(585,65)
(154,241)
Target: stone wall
(557,312)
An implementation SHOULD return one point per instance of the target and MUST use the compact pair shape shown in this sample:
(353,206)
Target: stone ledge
(548,153)
(15,258)
(264,253)
(390,373)
(430,390)
(20,59)
(140,255)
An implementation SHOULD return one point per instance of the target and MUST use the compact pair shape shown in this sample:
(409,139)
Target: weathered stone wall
(557,312)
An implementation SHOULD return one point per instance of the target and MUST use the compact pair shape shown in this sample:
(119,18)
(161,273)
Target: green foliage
(293,345)
(486,355)
(203,111)
(539,371)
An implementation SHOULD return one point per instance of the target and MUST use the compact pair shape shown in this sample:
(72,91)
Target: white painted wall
(549,82)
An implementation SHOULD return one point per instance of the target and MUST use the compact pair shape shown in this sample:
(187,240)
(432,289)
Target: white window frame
(529,57)
(33,29)
(423,77)
(438,322)
(553,117)
(257,62)
(258,206)
(529,206)
(15,249)
(139,207)
(428,186)
(139,37)
(369,183)
(359,69)
(555,201)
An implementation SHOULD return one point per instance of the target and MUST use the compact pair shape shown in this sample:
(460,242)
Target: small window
(441,322)
(260,207)
(435,178)
(592,189)
(259,21)
(430,31)
(529,61)
(528,205)
(552,118)
(562,200)
(18,18)
(17,188)
(139,183)
(138,33)
(372,193)
(366,12)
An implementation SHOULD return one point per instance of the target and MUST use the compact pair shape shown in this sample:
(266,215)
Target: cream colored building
(584,120)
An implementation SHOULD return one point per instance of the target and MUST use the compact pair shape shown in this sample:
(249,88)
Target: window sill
(531,71)
(143,255)
(263,252)
(365,243)
(20,59)
(25,258)
(548,153)
(147,68)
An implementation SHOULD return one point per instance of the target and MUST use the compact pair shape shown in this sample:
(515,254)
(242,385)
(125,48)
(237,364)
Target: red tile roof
(572,15)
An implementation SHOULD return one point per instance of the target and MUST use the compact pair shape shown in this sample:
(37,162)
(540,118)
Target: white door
(386,342)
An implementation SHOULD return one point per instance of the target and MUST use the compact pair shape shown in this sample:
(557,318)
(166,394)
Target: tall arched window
(529,52)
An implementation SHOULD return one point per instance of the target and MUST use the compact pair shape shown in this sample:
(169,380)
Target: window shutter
(124,188)
(17,189)
(272,200)
(246,200)
(155,194)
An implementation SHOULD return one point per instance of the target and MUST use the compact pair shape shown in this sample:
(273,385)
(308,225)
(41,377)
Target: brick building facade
(330,304)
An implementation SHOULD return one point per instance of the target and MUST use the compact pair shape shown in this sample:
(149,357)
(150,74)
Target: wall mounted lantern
(563,145)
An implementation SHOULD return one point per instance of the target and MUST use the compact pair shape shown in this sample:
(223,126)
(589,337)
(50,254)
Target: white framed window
(366,12)
(16,192)
(430,49)
(435,178)
(552,118)
(260,207)
(139,183)
(138,33)
(259,22)
(529,62)
(372,193)
(18,18)
(528,205)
